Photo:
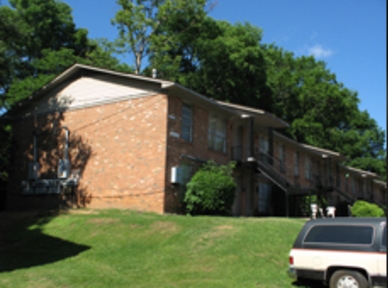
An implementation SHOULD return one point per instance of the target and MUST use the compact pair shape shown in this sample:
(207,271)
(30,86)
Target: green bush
(211,191)
(365,209)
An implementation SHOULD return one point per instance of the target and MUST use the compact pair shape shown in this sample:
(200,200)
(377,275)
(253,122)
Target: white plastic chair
(330,211)
(314,210)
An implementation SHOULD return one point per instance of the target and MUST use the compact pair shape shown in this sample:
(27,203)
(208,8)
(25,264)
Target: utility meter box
(176,175)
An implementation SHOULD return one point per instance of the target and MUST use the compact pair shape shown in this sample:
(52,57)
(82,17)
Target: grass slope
(119,248)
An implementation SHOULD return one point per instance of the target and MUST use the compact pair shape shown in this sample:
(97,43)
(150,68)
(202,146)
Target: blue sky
(350,36)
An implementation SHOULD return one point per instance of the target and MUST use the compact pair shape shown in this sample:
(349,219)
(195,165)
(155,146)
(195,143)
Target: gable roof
(77,70)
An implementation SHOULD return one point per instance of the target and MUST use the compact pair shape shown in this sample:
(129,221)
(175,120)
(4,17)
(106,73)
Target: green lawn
(120,248)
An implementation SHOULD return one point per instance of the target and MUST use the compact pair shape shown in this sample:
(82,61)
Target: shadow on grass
(22,247)
(309,284)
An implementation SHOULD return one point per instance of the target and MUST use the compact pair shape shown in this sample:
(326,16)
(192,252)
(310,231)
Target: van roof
(348,220)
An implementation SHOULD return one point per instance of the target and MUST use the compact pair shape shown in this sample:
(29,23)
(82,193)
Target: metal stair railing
(344,194)
(277,168)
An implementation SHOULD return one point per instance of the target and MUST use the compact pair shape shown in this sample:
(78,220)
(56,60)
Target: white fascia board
(199,96)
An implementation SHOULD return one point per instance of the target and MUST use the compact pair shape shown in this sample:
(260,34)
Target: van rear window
(340,234)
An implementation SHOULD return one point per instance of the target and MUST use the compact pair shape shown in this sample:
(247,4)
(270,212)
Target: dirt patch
(83,212)
(206,240)
(219,231)
(225,227)
(103,221)
(164,227)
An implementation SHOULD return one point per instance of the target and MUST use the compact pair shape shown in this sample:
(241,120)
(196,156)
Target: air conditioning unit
(33,170)
(41,186)
(176,175)
(64,168)
(53,187)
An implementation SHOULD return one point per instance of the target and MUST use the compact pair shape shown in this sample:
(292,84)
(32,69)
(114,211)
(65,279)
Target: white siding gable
(87,92)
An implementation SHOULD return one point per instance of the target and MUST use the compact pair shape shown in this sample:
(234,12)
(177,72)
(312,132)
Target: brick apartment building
(103,139)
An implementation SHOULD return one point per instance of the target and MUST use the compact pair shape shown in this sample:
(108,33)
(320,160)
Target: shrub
(365,209)
(211,191)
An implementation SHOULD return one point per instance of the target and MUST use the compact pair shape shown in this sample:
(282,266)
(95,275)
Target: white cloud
(319,52)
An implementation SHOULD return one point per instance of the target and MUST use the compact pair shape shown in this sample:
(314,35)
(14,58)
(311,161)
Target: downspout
(66,156)
(270,145)
(64,164)
(251,140)
(35,150)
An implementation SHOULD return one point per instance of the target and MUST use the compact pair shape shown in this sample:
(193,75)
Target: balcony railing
(282,171)
(324,182)
(277,168)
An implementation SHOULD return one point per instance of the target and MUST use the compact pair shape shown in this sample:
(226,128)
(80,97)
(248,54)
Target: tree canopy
(142,25)
(38,40)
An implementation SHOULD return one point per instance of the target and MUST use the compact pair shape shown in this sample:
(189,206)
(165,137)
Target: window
(217,134)
(296,163)
(263,149)
(308,168)
(365,188)
(340,234)
(282,158)
(186,170)
(384,240)
(264,190)
(353,186)
(187,122)
(338,176)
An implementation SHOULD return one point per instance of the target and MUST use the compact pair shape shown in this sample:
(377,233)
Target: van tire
(349,276)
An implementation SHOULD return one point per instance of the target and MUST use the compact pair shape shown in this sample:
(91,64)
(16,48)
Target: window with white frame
(296,163)
(187,122)
(217,134)
(308,168)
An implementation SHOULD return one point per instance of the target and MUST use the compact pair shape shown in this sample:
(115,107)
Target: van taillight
(291,260)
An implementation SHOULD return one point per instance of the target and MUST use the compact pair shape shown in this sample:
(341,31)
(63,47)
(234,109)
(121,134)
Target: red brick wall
(289,163)
(379,194)
(120,149)
(198,148)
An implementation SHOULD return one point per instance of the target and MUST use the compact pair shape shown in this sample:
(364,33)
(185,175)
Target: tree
(140,23)
(211,190)
(321,111)
(218,59)
(13,32)
(38,41)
